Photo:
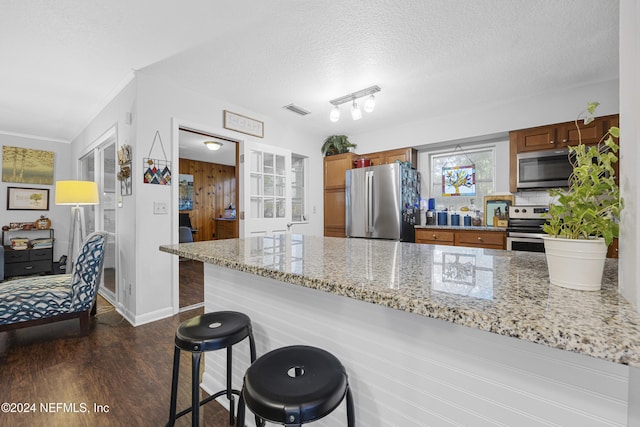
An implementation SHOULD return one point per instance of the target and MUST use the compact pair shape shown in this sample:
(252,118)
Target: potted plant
(583,220)
(336,144)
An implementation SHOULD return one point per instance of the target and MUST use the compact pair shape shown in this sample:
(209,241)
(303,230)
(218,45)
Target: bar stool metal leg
(174,387)
(195,388)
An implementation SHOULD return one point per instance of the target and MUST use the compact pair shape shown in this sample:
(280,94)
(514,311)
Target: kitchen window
(484,160)
(299,188)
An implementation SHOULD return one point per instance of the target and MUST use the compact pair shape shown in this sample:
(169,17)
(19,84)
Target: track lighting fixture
(356,113)
(335,114)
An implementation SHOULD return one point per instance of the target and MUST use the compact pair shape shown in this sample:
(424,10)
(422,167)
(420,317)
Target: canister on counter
(455,219)
(443,218)
(467,221)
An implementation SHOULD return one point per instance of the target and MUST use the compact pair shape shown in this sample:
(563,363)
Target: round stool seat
(295,385)
(213,331)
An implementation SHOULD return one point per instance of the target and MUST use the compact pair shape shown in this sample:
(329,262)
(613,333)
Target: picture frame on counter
(495,204)
(27,199)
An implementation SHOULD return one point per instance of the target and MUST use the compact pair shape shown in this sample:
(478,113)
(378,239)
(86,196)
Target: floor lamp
(76,193)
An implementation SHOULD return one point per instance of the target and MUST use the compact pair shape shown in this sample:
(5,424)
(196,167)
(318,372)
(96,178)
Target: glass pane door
(99,165)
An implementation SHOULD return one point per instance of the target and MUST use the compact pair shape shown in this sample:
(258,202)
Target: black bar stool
(295,385)
(208,332)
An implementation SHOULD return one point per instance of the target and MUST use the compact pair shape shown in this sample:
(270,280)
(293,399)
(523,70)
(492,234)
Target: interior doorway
(207,199)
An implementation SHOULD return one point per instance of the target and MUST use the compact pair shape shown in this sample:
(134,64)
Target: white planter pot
(575,263)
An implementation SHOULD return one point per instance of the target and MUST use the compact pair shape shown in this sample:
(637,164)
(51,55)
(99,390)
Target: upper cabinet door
(535,139)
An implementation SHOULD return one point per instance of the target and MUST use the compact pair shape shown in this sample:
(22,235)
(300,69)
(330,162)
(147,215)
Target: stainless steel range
(524,228)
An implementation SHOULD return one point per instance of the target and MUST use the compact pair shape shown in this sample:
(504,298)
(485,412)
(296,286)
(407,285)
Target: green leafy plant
(591,206)
(336,144)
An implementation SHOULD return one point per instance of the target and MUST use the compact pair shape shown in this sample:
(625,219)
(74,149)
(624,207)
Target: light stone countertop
(503,292)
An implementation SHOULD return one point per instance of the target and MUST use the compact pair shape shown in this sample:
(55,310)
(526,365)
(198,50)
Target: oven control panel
(528,212)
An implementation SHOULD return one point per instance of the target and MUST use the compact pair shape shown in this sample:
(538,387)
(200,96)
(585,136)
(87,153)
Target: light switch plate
(160,208)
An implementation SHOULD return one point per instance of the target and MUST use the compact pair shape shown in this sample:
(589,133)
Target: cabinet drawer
(11,256)
(435,237)
(483,239)
(40,254)
(26,268)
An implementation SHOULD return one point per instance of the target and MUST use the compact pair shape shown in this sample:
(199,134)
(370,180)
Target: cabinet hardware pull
(552,142)
(29,267)
(480,239)
(435,237)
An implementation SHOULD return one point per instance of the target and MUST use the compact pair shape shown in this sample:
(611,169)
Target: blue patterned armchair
(37,300)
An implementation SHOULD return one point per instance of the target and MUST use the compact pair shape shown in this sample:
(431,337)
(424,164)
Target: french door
(99,165)
(265,188)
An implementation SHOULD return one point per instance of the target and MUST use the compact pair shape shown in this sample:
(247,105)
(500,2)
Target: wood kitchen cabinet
(481,239)
(434,236)
(463,237)
(559,135)
(390,156)
(335,168)
(225,229)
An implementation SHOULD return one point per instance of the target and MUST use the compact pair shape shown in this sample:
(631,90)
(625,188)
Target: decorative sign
(157,171)
(459,181)
(27,166)
(185,193)
(243,124)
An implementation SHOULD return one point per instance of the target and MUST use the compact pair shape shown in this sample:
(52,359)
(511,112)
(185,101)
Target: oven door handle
(529,236)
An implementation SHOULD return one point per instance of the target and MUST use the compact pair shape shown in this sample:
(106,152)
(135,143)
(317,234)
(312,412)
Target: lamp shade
(77,193)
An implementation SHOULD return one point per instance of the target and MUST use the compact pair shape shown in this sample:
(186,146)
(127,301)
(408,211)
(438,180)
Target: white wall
(629,249)
(161,103)
(59,215)
(496,119)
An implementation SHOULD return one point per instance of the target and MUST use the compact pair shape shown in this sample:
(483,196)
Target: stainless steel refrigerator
(382,202)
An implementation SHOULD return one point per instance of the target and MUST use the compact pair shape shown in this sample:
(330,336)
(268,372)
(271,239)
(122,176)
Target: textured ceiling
(63,60)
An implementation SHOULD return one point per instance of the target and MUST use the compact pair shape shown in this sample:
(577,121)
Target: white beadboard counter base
(431,335)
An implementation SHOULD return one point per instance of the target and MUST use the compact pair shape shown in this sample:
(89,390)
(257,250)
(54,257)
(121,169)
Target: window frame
(305,188)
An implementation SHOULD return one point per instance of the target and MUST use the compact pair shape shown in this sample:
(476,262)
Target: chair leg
(351,417)
(229,393)
(241,409)
(174,387)
(195,388)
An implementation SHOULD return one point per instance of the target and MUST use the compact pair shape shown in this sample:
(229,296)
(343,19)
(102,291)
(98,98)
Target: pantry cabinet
(335,168)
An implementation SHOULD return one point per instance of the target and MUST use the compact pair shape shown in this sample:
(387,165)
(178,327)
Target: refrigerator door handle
(369,203)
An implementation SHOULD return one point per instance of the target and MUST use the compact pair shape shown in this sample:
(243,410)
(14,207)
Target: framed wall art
(243,124)
(27,166)
(27,199)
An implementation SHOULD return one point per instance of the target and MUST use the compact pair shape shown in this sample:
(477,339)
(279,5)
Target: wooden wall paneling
(214,189)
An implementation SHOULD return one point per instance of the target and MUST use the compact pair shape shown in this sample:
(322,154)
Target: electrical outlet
(160,208)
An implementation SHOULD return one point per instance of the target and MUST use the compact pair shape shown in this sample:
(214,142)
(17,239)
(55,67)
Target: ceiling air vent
(298,110)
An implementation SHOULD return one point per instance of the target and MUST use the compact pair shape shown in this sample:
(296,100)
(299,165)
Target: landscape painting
(27,166)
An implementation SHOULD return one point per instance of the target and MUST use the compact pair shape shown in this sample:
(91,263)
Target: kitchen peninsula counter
(372,295)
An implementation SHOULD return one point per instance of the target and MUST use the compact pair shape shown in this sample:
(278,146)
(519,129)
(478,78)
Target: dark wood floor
(191,282)
(126,368)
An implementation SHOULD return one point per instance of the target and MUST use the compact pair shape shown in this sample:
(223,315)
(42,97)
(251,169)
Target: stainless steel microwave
(537,170)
